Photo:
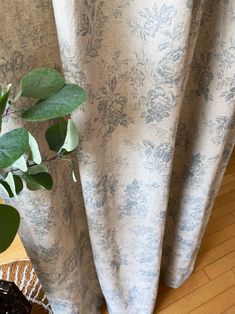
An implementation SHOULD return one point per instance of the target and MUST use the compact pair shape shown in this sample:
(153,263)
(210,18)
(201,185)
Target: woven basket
(23,274)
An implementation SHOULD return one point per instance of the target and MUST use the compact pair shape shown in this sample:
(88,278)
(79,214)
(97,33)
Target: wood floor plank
(220,266)
(231,310)
(218,304)
(170,295)
(231,166)
(224,199)
(227,188)
(223,210)
(104,310)
(201,295)
(216,238)
(219,224)
(214,254)
(227,179)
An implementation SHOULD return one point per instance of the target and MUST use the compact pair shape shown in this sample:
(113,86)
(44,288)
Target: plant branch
(8,112)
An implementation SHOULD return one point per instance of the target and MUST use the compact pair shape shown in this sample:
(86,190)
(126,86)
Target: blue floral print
(156,134)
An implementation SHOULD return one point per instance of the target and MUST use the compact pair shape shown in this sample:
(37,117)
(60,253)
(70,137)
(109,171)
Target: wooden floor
(211,288)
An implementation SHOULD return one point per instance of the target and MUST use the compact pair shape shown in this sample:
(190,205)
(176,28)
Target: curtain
(156,135)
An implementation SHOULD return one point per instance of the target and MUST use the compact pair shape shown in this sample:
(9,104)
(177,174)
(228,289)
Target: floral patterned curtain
(155,137)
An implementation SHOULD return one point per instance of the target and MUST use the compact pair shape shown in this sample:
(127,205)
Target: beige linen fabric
(155,137)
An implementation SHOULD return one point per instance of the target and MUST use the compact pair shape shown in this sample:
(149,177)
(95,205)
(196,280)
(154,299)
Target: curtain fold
(156,134)
(53,224)
(154,142)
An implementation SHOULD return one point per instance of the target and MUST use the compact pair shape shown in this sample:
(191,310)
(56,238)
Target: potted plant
(21,163)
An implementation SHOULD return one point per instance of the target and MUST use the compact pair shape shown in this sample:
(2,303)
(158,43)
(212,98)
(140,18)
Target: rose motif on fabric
(170,66)
(157,157)
(159,104)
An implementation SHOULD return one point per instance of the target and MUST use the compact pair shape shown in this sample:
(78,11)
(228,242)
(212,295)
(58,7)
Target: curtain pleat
(53,224)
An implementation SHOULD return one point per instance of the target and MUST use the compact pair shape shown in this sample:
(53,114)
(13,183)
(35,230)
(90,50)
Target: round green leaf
(37,168)
(3,102)
(17,187)
(43,179)
(4,187)
(13,145)
(31,185)
(71,139)
(55,135)
(74,170)
(20,164)
(18,184)
(35,152)
(9,224)
(11,182)
(41,83)
(59,105)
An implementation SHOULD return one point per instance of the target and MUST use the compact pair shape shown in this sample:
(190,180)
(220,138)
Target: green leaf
(42,179)
(31,185)
(71,139)
(20,164)
(37,169)
(11,182)
(55,135)
(74,170)
(18,186)
(9,224)
(5,188)
(63,126)
(13,145)
(59,105)
(3,101)
(74,177)
(35,152)
(41,83)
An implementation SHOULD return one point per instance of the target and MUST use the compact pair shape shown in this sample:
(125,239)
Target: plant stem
(56,156)
(8,112)
(16,97)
